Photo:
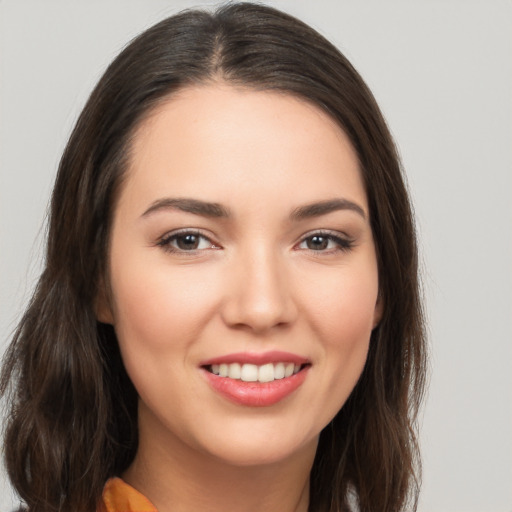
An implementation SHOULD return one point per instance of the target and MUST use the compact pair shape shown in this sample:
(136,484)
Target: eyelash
(343,244)
(166,241)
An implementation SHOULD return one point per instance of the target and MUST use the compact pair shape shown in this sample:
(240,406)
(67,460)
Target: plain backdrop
(442,73)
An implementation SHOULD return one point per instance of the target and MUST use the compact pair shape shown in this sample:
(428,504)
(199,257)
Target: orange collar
(118,496)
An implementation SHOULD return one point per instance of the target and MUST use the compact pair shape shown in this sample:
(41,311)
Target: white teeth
(249,373)
(253,373)
(279,371)
(223,370)
(235,371)
(266,373)
(288,370)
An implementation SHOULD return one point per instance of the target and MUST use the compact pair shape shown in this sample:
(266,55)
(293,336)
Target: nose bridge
(259,296)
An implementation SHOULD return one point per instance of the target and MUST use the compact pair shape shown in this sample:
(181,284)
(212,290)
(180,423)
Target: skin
(255,283)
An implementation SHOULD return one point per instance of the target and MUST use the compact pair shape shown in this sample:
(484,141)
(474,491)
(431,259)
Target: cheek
(347,337)
(158,316)
(351,316)
(342,312)
(157,309)
(342,302)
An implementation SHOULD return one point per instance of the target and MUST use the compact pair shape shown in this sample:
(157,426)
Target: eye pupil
(187,242)
(317,243)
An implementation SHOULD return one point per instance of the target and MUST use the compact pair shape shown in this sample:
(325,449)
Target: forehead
(217,139)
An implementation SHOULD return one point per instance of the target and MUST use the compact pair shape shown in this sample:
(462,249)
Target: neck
(177,478)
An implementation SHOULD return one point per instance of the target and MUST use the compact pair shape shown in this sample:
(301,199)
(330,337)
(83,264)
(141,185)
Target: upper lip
(257,358)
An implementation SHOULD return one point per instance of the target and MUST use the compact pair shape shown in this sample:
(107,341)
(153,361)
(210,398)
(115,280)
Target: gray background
(442,73)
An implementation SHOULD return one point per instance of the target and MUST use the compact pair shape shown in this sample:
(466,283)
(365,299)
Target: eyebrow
(188,205)
(325,207)
(216,210)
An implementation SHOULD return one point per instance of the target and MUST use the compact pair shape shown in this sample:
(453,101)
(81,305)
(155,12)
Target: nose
(259,293)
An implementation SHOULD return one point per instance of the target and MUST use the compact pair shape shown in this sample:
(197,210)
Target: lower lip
(256,394)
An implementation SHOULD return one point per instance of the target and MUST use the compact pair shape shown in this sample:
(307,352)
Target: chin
(255,450)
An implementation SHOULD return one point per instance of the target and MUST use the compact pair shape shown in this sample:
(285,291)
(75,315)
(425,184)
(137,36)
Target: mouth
(256,380)
(248,372)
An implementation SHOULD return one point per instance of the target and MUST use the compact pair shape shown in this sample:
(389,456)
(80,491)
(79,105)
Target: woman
(229,315)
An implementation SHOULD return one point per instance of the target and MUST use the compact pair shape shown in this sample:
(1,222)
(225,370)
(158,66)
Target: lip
(256,394)
(257,358)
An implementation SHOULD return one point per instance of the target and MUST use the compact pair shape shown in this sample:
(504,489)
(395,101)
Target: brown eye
(187,242)
(317,243)
(325,243)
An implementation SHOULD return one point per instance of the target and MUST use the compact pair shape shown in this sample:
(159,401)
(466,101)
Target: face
(243,274)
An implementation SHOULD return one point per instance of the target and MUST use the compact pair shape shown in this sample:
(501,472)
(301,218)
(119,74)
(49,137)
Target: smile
(254,373)
(256,379)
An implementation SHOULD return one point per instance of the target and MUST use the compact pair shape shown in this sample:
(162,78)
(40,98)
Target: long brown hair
(72,421)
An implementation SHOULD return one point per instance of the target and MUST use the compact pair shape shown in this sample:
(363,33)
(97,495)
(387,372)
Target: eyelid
(165,241)
(344,242)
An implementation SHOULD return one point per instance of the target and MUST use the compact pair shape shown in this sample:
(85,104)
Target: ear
(378,311)
(102,306)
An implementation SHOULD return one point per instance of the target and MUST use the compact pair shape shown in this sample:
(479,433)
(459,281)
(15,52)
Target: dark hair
(73,422)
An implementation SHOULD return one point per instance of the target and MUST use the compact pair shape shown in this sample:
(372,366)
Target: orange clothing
(118,496)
